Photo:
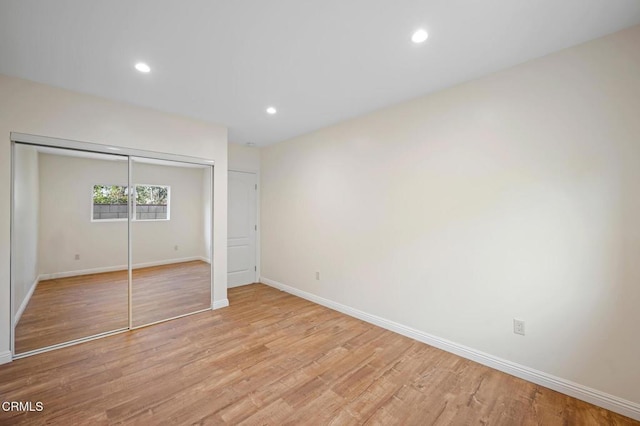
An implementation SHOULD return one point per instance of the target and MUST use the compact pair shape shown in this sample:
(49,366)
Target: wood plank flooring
(272,358)
(66,309)
(167,291)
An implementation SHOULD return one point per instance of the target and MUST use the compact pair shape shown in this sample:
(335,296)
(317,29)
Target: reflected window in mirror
(109,202)
(152,202)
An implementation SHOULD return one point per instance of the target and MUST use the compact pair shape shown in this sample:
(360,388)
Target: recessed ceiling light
(142,67)
(271,110)
(419,36)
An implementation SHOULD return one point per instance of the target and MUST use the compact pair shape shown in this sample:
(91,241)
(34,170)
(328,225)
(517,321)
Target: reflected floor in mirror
(168,291)
(66,309)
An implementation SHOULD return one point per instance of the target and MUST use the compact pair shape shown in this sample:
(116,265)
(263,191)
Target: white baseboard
(5,357)
(25,302)
(220,304)
(567,387)
(101,270)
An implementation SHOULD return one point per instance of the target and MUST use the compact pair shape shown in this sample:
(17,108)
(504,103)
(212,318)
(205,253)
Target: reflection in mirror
(171,239)
(69,246)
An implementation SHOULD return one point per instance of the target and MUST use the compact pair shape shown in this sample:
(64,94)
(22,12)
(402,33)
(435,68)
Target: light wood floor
(66,309)
(272,358)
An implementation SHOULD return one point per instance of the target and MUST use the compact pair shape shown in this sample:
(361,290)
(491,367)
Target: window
(110,202)
(152,202)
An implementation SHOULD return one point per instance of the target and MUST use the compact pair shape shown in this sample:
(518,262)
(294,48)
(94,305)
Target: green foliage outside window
(109,194)
(156,195)
(116,194)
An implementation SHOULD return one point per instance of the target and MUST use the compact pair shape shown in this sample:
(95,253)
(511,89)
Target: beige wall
(244,158)
(29,107)
(515,195)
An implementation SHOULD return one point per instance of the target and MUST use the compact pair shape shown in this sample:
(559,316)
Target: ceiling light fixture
(271,110)
(142,67)
(419,36)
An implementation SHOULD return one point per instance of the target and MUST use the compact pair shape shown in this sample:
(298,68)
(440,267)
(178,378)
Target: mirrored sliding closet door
(171,239)
(104,242)
(69,245)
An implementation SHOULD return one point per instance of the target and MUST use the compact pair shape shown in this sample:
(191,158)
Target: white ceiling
(318,62)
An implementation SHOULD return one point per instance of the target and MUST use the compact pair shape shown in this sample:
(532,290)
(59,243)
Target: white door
(241,229)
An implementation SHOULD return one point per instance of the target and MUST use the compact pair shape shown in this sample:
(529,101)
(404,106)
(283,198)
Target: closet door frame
(45,141)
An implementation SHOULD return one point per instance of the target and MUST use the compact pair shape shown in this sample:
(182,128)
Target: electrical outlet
(77,257)
(518,326)
(318,276)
